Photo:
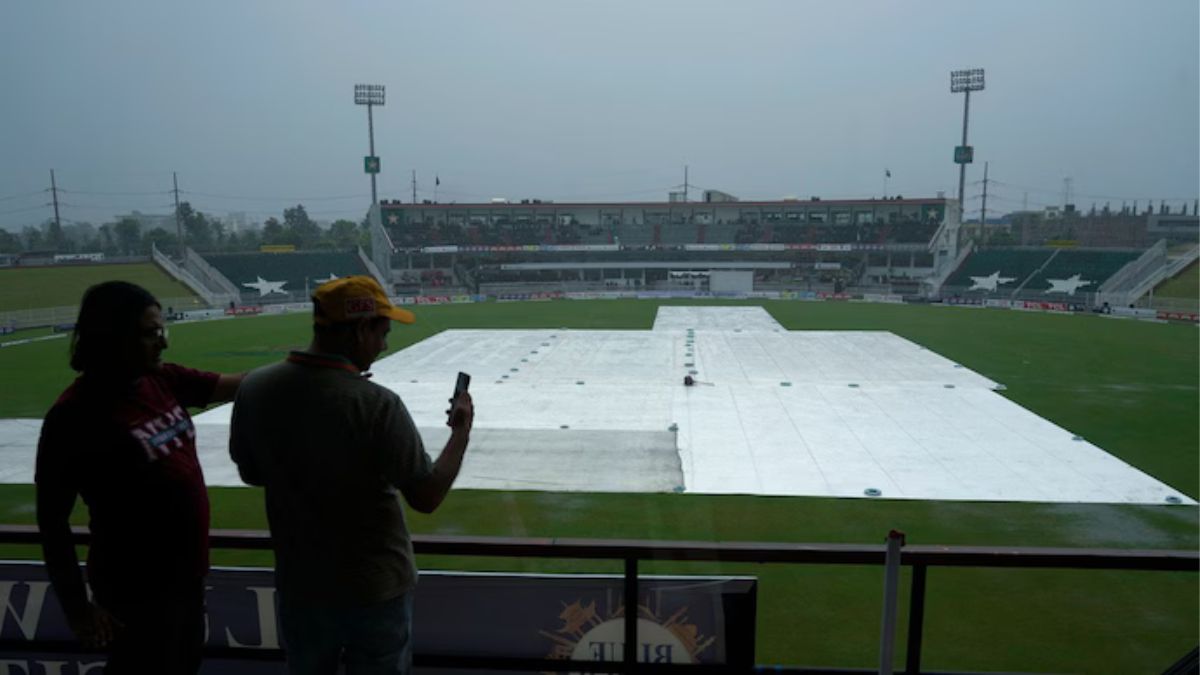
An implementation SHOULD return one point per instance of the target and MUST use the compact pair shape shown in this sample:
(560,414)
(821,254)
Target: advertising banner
(680,620)
(527,248)
(578,248)
(883,297)
(436,299)
(247,310)
(78,257)
(1135,312)
(535,297)
(1179,316)
(198,314)
(964,302)
(1042,306)
(287,307)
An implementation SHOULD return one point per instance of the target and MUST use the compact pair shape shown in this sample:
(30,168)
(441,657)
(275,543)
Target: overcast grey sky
(601,100)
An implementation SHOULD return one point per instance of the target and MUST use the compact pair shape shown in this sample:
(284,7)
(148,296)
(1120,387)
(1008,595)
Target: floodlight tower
(370,95)
(965,81)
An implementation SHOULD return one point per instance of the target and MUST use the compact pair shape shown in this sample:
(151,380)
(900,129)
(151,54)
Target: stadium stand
(634,236)
(658,229)
(294,271)
(1015,264)
(678,235)
(1091,266)
(720,233)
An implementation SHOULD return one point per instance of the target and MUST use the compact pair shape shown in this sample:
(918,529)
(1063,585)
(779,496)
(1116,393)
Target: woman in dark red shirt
(120,437)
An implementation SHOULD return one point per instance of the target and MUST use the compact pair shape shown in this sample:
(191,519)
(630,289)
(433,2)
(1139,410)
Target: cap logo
(357,308)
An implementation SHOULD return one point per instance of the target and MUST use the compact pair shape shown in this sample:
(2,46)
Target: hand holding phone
(461,413)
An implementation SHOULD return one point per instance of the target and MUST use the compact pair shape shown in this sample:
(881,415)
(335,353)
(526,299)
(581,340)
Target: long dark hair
(108,321)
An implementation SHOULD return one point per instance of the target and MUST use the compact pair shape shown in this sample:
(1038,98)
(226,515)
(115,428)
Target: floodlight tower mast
(965,81)
(370,95)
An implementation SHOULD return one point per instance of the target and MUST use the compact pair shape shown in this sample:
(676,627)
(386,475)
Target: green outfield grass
(1186,284)
(1129,387)
(63,286)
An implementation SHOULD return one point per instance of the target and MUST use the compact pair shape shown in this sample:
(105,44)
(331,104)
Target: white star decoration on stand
(990,282)
(265,287)
(1068,286)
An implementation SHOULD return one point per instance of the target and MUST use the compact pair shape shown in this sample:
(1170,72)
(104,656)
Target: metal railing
(631,552)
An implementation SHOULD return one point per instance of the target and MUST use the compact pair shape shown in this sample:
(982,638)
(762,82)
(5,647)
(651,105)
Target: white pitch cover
(858,414)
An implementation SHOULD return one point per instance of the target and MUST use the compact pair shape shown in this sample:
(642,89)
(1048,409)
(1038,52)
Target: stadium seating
(678,235)
(1093,266)
(1016,264)
(526,230)
(913,233)
(720,233)
(297,270)
(635,236)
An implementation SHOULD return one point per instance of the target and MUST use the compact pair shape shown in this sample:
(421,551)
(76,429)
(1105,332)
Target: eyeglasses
(156,333)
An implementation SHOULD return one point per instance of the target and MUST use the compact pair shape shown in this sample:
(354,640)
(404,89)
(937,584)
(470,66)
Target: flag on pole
(887,173)
(437,180)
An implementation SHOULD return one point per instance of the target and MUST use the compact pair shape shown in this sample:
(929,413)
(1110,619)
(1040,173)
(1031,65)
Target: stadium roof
(645,205)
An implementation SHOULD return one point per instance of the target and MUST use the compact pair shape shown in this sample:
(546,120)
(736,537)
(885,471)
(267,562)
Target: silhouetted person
(120,436)
(335,453)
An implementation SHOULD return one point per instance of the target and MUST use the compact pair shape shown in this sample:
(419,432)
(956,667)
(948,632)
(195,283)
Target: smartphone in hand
(460,386)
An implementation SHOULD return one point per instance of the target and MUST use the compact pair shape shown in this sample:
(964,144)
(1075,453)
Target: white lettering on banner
(68,257)
(27,619)
(659,644)
(264,597)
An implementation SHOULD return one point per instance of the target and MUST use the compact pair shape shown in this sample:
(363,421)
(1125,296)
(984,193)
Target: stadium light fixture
(966,81)
(370,95)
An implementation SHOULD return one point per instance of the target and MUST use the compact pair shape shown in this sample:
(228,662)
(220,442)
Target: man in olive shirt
(335,453)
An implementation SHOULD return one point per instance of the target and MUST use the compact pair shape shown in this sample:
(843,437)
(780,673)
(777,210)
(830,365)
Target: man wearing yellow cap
(335,453)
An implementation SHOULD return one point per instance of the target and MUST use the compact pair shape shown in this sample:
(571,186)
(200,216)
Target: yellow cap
(352,298)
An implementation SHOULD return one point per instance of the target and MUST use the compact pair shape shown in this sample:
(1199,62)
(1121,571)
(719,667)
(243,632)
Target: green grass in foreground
(1129,387)
(63,286)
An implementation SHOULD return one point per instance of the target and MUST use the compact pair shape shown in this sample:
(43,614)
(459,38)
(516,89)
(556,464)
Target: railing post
(916,621)
(891,590)
(631,612)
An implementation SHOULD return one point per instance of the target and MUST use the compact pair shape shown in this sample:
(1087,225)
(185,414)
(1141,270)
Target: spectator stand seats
(1092,267)
(995,272)
(287,275)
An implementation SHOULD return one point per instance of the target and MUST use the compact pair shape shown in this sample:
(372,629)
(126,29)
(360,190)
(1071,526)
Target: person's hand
(461,415)
(95,626)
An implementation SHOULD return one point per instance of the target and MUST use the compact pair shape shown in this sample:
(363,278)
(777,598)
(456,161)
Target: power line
(114,194)
(28,208)
(23,194)
(273,199)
